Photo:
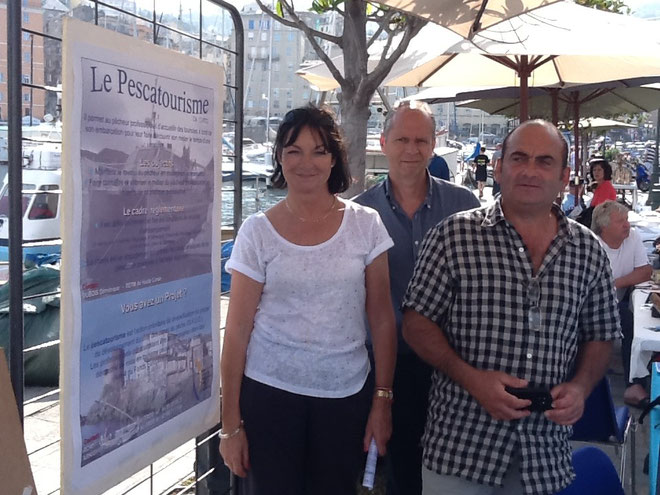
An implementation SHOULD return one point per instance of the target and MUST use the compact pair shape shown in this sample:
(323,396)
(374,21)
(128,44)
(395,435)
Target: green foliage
(279,10)
(617,6)
(321,6)
(611,154)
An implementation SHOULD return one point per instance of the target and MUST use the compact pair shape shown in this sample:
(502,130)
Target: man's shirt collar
(389,191)
(494,215)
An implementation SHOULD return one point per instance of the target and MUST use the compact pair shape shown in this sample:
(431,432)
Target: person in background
(297,409)
(410,202)
(574,191)
(438,167)
(492,304)
(497,157)
(601,172)
(630,266)
(481,162)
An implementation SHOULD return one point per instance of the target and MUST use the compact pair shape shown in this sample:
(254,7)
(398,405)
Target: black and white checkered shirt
(472,279)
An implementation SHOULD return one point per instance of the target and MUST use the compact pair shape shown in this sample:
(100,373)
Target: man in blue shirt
(438,167)
(410,202)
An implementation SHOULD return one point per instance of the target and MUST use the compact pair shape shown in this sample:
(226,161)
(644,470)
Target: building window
(250,104)
(251,24)
(289,51)
(26,18)
(289,105)
(250,35)
(26,79)
(277,36)
(264,65)
(2,77)
(276,66)
(276,52)
(263,52)
(26,36)
(264,24)
(264,36)
(2,96)
(253,52)
(26,57)
(291,36)
(275,76)
(26,97)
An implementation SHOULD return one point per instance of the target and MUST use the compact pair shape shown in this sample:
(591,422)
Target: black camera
(540,397)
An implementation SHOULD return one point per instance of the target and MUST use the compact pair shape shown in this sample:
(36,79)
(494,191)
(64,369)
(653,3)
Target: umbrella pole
(523,73)
(654,196)
(554,95)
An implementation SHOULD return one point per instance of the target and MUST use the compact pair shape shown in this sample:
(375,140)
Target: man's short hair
(602,213)
(410,105)
(545,123)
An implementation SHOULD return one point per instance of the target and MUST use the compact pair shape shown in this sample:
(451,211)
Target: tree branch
(297,23)
(413,26)
(310,34)
(383,24)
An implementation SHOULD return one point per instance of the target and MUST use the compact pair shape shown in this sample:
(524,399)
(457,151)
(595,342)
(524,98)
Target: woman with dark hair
(297,409)
(601,172)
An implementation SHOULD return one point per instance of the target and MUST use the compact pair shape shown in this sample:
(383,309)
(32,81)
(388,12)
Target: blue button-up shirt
(442,199)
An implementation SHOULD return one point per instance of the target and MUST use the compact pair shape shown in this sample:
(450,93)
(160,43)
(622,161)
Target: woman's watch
(384,393)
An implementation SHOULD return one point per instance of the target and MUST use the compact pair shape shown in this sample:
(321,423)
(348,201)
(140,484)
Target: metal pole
(31,75)
(524,84)
(15,173)
(654,195)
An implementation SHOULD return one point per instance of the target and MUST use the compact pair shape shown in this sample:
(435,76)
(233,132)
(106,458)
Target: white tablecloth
(645,342)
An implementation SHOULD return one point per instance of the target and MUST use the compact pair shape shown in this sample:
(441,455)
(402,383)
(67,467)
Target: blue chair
(604,423)
(595,474)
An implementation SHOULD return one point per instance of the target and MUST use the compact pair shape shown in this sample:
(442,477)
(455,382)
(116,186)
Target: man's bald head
(548,125)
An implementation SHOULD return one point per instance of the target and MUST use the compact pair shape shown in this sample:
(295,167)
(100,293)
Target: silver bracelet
(225,436)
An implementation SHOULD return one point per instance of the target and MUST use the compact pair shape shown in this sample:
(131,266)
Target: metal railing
(198,42)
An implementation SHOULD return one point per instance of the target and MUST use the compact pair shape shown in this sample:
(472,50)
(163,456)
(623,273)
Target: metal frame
(206,445)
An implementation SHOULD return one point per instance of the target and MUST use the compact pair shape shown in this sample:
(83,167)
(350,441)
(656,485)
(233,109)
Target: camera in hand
(540,397)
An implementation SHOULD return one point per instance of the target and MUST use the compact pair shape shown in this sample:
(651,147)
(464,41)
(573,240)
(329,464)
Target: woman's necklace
(315,220)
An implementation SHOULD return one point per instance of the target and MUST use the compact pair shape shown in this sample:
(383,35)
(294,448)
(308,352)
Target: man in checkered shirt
(517,295)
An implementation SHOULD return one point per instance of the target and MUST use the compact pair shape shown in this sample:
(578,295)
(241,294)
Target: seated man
(630,266)
(568,204)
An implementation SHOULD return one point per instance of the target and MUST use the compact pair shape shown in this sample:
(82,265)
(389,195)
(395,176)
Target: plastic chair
(595,474)
(604,423)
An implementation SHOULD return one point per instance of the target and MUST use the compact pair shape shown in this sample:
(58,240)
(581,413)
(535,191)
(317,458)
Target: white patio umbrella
(597,100)
(465,17)
(601,124)
(556,45)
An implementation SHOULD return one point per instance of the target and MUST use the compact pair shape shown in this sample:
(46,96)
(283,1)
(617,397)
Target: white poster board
(140,256)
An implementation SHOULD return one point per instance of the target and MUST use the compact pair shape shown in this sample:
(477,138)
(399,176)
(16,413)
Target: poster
(141,254)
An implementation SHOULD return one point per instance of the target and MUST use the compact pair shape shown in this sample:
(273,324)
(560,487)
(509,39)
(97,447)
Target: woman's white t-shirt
(310,327)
